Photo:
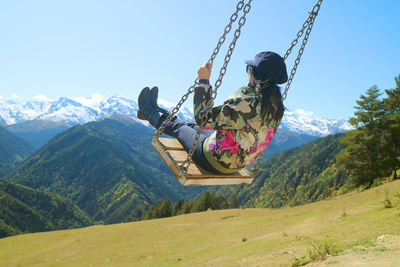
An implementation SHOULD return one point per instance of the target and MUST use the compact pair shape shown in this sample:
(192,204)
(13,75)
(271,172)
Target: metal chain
(210,103)
(221,40)
(308,24)
(185,165)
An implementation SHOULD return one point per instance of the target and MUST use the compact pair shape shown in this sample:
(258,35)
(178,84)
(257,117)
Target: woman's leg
(173,125)
(185,133)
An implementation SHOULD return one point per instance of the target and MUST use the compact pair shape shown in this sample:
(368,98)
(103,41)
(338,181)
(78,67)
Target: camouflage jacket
(240,133)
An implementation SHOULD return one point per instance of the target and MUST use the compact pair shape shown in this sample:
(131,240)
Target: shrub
(319,250)
(386,201)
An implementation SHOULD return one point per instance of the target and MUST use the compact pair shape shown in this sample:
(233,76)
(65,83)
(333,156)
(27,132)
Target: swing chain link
(228,27)
(308,24)
(210,103)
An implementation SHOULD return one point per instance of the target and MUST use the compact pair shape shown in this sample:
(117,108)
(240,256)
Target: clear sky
(81,47)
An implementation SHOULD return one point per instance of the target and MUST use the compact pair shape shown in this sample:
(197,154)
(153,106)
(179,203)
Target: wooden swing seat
(172,152)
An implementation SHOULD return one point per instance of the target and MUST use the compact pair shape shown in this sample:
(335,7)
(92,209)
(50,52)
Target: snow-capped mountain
(78,110)
(307,123)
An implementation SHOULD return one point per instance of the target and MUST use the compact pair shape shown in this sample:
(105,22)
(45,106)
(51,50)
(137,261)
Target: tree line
(373,148)
(208,200)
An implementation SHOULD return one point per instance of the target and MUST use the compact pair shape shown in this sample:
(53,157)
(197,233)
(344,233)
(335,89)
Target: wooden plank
(217,181)
(245,173)
(171,144)
(178,155)
(197,175)
(168,160)
(196,171)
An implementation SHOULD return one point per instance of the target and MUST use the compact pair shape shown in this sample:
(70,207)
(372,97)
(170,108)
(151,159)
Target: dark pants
(185,132)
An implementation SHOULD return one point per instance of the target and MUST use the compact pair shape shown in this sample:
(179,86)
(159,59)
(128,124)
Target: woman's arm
(234,113)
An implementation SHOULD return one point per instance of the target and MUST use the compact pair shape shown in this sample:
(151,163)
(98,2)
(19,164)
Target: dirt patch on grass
(384,252)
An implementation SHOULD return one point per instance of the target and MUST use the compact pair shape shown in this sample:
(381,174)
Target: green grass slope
(238,237)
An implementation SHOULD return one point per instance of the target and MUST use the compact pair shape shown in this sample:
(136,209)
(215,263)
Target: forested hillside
(284,140)
(37,132)
(108,168)
(23,209)
(12,151)
(135,140)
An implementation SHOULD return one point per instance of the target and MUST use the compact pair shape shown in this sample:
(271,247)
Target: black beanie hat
(269,66)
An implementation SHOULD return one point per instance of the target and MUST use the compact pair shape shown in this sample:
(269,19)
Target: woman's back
(242,133)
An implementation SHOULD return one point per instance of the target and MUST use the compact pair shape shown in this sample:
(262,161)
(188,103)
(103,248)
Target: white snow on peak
(306,122)
(166,104)
(78,110)
(93,101)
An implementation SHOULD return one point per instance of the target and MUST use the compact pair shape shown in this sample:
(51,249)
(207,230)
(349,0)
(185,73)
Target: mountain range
(80,110)
(95,153)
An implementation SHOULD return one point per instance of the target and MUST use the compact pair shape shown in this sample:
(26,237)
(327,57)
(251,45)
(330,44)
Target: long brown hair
(271,103)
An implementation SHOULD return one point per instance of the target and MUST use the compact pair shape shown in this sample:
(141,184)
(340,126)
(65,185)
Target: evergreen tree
(210,200)
(205,201)
(220,202)
(185,207)
(391,136)
(165,208)
(363,154)
(233,201)
(180,207)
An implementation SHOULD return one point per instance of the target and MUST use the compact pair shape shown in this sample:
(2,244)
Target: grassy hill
(238,237)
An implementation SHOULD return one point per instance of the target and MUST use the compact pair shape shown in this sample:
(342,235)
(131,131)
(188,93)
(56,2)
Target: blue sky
(78,48)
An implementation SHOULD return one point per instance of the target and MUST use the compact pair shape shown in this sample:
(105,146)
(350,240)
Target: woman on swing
(237,131)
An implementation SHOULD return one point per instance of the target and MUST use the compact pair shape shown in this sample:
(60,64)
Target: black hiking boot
(146,109)
(154,98)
